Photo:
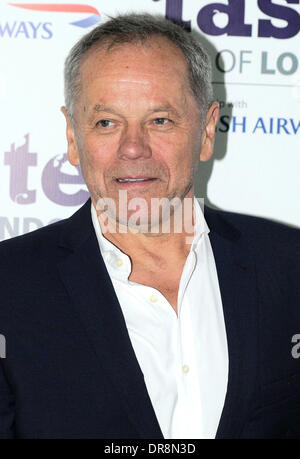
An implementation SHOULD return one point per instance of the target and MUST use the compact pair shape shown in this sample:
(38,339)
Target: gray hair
(129,28)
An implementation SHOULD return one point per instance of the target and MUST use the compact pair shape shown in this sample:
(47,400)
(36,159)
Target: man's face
(136,118)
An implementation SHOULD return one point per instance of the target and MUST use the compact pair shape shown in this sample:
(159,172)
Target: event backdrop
(255,50)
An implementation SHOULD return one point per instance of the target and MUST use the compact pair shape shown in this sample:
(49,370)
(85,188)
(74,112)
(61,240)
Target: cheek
(92,169)
(168,149)
(174,154)
(95,157)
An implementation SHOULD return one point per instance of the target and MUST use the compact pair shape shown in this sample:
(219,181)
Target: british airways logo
(92,19)
(43,30)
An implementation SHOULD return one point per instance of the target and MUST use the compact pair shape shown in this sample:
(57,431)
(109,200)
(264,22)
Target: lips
(134,179)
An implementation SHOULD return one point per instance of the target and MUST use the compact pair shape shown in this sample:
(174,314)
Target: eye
(104,123)
(161,121)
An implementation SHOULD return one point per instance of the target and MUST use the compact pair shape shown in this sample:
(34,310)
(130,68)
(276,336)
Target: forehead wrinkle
(178,61)
(145,80)
(131,80)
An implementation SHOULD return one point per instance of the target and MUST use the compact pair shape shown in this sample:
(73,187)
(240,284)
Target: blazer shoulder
(44,240)
(261,233)
(32,241)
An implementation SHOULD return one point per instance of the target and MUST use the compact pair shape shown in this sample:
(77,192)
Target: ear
(72,145)
(208,135)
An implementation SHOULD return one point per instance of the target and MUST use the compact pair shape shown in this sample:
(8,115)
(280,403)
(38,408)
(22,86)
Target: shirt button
(119,262)
(153,299)
(185,369)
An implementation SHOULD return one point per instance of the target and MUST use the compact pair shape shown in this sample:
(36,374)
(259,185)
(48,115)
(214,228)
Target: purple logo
(20,159)
(53,176)
(229,19)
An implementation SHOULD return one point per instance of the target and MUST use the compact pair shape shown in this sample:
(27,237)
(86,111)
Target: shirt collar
(120,263)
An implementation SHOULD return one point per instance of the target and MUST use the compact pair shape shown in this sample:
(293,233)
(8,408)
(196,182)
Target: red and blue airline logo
(94,17)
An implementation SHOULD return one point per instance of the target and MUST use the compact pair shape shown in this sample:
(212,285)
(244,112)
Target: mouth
(135,181)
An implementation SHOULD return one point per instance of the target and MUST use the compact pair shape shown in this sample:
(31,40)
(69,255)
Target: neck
(173,244)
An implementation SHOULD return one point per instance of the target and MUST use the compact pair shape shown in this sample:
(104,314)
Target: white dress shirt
(183,356)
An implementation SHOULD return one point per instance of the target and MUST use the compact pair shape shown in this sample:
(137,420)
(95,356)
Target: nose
(134,144)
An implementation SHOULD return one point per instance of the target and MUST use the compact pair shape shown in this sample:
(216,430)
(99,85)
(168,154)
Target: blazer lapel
(84,274)
(237,280)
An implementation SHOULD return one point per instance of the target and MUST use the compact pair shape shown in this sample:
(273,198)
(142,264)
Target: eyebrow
(102,108)
(161,108)
(165,108)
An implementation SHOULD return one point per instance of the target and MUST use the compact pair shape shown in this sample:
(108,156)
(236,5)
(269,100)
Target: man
(116,328)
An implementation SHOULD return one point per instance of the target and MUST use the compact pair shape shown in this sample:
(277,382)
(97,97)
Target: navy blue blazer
(70,370)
